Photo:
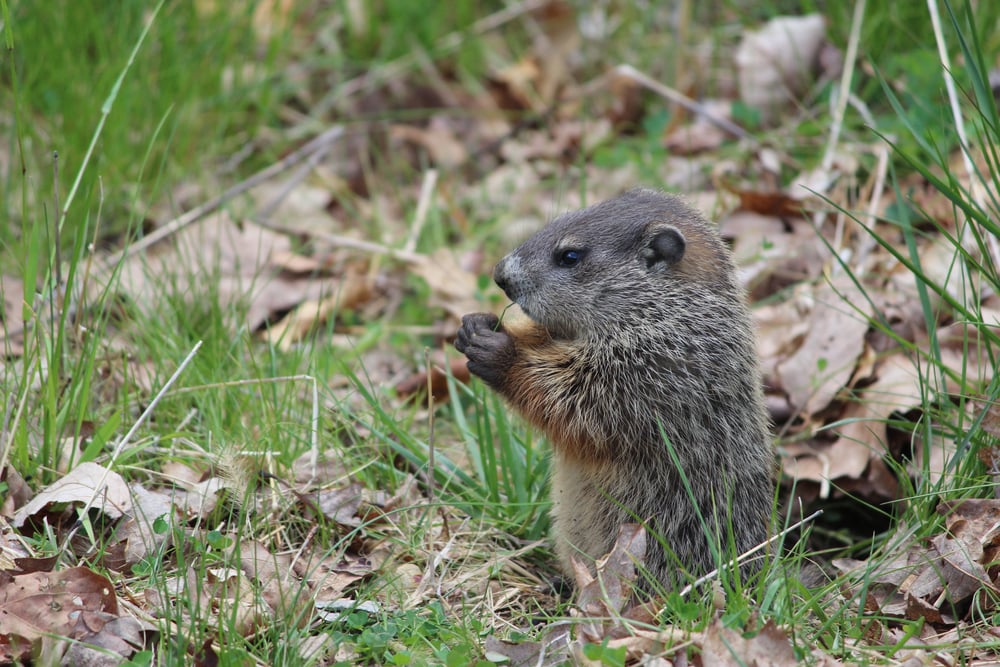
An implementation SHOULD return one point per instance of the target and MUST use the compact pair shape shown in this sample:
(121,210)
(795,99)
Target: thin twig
(743,556)
(197,213)
(295,180)
(837,122)
(346,242)
(448,43)
(101,485)
(956,112)
(868,243)
(430,426)
(423,206)
(314,425)
(152,404)
(683,100)
(844,91)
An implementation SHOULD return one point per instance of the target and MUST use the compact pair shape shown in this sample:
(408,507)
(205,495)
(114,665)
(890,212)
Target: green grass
(202,87)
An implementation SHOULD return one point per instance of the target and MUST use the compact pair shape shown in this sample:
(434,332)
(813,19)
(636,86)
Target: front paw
(489,348)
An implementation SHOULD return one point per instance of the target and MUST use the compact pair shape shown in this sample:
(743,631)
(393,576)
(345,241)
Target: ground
(239,241)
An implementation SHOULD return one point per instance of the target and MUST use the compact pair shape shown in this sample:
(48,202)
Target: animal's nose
(500,275)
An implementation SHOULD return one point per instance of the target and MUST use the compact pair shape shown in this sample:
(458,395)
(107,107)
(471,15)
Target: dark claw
(488,347)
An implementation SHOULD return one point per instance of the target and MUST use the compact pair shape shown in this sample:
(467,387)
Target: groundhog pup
(637,359)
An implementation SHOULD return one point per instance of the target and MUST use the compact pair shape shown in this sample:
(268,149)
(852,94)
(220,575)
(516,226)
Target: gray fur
(662,339)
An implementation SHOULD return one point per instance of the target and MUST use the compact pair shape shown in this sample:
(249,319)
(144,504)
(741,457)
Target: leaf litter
(837,387)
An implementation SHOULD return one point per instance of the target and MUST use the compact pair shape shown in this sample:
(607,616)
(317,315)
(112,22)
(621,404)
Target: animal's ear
(666,247)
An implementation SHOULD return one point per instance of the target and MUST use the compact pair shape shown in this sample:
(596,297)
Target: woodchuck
(637,359)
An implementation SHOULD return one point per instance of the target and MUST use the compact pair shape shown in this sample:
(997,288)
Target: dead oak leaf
(110,639)
(605,595)
(725,647)
(352,290)
(86,483)
(237,257)
(453,288)
(52,603)
(772,252)
(137,533)
(342,504)
(777,63)
(973,516)
(438,139)
(824,362)
(18,492)
(435,378)
(862,436)
(279,586)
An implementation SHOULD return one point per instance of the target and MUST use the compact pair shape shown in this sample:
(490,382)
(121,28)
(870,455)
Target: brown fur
(637,328)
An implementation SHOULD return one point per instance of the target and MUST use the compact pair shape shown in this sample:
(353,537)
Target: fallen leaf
(281,590)
(111,639)
(88,482)
(342,505)
(777,63)
(862,435)
(354,288)
(137,532)
(417,384)
(825,361)
(452,287)
(53,603)
(604,595)
(18,492)
(237,257)
(725,647)
(439,140)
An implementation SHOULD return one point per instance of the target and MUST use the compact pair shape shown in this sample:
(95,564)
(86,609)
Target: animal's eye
(568,258)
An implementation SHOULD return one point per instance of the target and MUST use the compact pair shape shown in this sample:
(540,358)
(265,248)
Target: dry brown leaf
(725,647)
(777,63)
(825,361)
(353,289)
(233,595)
(554,47)
(183,474)
(452,287)
(973,516)
(438,139)
(417,383)
(111,639)
(279,587)
(702,134)
(294,263)
(604,596)
(515,85)
(773,253)
(201,499)
(237,257)
(18,492)
(858,452)
(85,483)
(60,603)
(337,573)
(342,505)
(896,388)
(962,569)
(551,650)
(136,532)
(937,261)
